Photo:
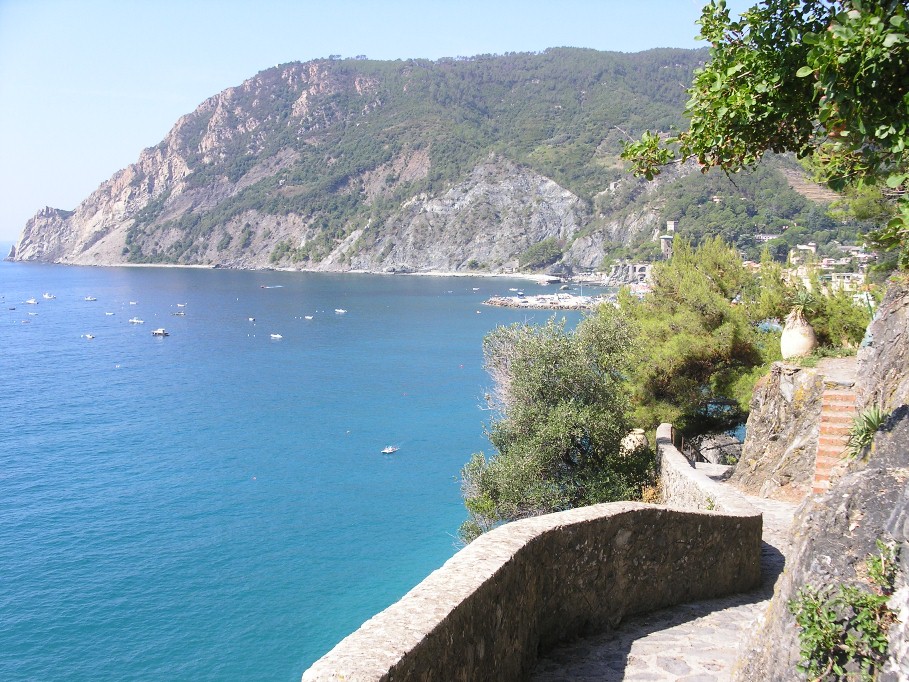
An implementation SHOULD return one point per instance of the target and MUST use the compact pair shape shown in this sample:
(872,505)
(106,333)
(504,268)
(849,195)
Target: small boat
(276,336)
(252,319)
(159,332)
(179,313)
(134,302)
(47,296)
(108,313)
(136,320)
(307,317)
(340,311)
(181,305)
(564,287)
(389,449)
(31,301)
(88,336)
(90,298)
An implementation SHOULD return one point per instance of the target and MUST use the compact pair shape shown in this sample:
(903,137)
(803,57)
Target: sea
(214,504)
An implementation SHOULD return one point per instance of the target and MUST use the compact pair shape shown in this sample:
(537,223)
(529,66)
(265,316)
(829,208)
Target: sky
(85,85)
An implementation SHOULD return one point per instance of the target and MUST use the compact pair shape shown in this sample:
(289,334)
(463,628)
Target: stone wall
(528,585)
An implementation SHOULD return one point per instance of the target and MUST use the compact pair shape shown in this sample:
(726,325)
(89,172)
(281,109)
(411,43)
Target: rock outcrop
(778,454)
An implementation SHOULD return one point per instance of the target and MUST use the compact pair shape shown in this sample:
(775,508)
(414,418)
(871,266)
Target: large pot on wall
(634,440)
(798,339)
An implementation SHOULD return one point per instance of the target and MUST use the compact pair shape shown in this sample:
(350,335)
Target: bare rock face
(514,207)
(883,362)
(778,455)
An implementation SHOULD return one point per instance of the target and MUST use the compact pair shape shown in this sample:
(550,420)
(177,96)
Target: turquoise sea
(214,505)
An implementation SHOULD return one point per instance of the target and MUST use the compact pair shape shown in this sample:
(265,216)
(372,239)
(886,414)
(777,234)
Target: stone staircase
(837,415)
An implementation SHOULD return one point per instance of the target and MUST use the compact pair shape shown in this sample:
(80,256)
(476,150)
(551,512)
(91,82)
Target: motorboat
(47,296)
(31,301)
(136,320)
(389,449)
(88,336)
(160,332)
(276,336)
(90,298)
(307,317)
(340,311)
(179,313)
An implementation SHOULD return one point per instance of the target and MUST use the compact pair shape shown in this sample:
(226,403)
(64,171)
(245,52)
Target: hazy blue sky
(85,85)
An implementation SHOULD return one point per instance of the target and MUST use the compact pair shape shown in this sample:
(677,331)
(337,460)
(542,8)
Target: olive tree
(561,409)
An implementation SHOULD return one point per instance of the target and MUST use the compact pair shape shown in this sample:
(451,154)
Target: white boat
(181,305)
(179,313)
(276,336)
(90,298)
(133,302)
(307,317)
(108,313)
(136,320)
(47,296)
(252,319)
(389,449)
(159,332)
(88,336)
(31,301)
(340,311)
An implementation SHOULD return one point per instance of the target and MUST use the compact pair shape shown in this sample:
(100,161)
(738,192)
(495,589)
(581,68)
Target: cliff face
(366,165)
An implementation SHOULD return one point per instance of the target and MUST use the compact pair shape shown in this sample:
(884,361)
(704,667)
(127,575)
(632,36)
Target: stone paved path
(695,642)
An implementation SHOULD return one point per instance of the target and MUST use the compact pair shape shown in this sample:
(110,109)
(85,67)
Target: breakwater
(548,302)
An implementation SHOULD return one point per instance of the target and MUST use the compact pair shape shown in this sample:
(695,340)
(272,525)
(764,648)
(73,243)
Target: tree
(698,351)
(827,78)
(562,410)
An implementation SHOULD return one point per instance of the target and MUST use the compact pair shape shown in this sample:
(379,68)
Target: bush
(562,412)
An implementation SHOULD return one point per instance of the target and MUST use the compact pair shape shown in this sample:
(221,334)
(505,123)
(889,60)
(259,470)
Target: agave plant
(865,425)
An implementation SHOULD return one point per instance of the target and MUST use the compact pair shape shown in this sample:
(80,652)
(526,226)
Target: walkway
(695,642)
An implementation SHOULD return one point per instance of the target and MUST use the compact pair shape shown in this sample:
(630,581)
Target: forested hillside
(458,164)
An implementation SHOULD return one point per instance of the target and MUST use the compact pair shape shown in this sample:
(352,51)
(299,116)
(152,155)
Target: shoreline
(527,276)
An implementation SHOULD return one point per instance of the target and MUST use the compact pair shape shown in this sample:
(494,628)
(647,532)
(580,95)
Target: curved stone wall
(527,585)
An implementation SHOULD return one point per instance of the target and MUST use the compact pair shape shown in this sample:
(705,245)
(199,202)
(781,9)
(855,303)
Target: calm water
(214,505)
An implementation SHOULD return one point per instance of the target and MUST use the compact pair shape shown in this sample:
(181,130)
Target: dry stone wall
(527,585)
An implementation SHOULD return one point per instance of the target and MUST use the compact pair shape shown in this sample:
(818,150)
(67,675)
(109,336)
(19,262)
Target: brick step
(833,439)
(841,419)
(846,401)
(830,431)
(840,392)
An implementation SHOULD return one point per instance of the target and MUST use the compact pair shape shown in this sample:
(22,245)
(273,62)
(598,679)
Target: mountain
(453,165)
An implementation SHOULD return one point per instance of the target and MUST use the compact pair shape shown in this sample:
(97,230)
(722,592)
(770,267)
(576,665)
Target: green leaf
(895,180)
(804,71)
